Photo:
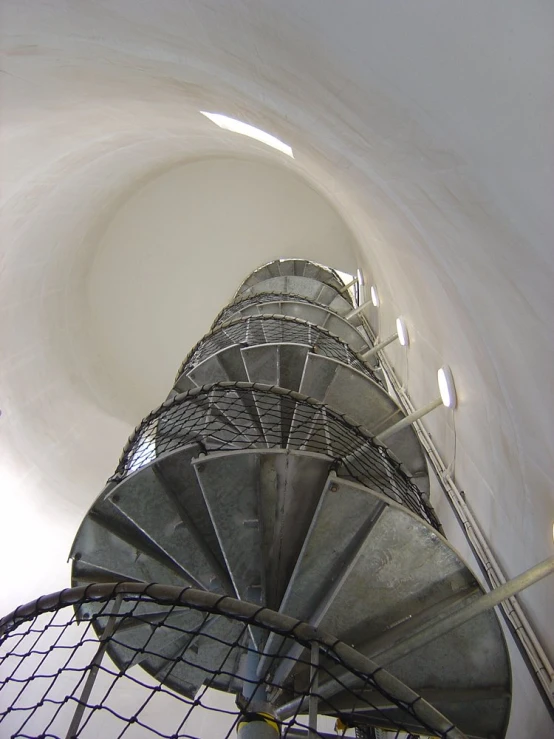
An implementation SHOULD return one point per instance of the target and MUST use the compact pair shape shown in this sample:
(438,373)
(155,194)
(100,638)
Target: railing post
(94,667)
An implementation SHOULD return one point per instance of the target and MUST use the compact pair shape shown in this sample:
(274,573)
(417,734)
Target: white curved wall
(425,125)
(174,254)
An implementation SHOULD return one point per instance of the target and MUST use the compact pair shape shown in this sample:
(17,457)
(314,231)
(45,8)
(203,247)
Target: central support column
(256,722)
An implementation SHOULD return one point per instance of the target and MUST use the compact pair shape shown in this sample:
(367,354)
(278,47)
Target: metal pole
(94,667)
(408,420)
(491,599)
(357,310)
(314,689)
(484,603)
(377,347)
(348,285)
(257,723)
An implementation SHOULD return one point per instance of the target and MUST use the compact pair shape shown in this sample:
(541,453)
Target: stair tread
(279,364)
(262,503)
(145,502)
(353,393)
(98,546)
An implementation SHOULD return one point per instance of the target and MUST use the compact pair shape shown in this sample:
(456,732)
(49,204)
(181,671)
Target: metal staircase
(260,478)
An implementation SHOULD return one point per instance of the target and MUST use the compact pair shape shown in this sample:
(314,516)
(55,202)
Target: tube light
(360,276)
(375,296)
(232,124)
(402,331)
(446,387)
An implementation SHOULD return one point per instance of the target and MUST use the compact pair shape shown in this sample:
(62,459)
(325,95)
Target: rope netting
(142,660)
(238,416)
(256,330)
(295,268)
(240,304)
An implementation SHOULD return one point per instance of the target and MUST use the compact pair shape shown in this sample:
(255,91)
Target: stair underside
(285,531)
(291,267)
(339,386)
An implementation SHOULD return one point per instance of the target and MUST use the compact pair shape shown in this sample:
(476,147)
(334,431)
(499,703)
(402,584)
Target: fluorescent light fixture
(446,387)
(375,296)
(402,331)
(360,276)
(231,124)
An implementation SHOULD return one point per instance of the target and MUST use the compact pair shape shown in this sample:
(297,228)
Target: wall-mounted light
(447,398)
(447,388)
(401,334)
(236,126)
(374,296)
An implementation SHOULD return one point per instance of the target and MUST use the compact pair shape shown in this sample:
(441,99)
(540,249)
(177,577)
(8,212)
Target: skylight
(232,124)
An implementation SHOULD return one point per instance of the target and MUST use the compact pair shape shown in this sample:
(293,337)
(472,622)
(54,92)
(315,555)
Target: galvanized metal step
(148,503)
(303,286)
(261,504)
(119,553)
(222,366)
(375,574)
(276,364)
(348,391)
(290,267)
(203,640)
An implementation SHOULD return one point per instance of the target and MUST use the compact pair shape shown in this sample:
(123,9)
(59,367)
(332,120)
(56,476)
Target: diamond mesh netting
(254,330)
(239,304)
(297,268)
(141,660)
(237,416)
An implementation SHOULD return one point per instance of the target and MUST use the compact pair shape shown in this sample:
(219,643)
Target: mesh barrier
(298,268)
(142,660)
(255,330)
(236,416)
(241,304)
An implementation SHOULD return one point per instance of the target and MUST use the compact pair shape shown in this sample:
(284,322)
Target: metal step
(153,526)
(376,579)
(353,393)
(201,639)
(208,423)
(303,286)
(276,364)
(229,483)
(121,553)
(225,365)
(290,267)
(262,503)
(181,484)
(182,385)
(147,502)
(318,315)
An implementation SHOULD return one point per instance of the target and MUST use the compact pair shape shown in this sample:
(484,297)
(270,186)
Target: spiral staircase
(260,477)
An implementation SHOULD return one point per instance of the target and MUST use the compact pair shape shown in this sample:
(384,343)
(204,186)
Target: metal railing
(241,415)
(268,329)
(231,309)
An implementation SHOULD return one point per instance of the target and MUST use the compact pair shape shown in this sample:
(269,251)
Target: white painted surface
(426,125)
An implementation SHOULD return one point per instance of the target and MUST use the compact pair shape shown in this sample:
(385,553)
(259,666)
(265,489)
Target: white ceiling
(424,127)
